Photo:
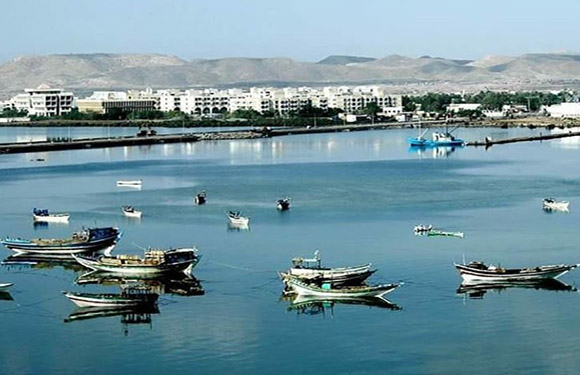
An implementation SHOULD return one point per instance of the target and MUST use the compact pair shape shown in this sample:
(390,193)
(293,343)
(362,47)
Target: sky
(305,30)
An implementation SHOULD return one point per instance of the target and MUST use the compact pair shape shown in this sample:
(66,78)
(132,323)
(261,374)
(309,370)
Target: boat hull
(134,214)
(557,206)
(5,285)
(304,289)
(470,275)
(241,221)
(111,300)
(74,248)
(416,142)
(335,276)
(54,218)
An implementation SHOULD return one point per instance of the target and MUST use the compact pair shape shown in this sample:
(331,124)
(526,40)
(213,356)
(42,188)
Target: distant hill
(83,72)
(344,60)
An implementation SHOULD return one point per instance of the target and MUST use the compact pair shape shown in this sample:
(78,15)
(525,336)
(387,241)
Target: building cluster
(42,101)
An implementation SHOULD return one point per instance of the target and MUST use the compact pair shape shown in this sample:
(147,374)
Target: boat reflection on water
(434,152)
(130,315)
(312,305)
(42,261)
(478,290)
(180,283)
(5,296)
(238,227)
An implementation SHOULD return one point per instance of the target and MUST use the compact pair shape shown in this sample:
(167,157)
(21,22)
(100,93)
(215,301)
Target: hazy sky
(306,30)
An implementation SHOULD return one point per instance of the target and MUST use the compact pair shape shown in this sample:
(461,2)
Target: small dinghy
(478,272)
(237,219)
(5,285)
(326,290)
(130,183)
(550,204)
(154,262)
(200,198)
(440,233)
(130,211)
(43,216)
(283,204)
(311,270)
(84,241)
(128,297)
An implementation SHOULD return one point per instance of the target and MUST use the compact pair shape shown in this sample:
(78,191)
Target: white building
(456,107)
(43,101)
(564,110)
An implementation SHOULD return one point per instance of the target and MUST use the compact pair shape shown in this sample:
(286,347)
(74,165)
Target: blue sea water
(355,197)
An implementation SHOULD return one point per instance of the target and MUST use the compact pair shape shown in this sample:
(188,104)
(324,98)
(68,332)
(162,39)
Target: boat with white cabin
(131,211)
(154,262)
(479,271)
(237,219)
(550,204)
(44,216)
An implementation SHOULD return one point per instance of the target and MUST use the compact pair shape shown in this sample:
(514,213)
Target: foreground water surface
(355,197)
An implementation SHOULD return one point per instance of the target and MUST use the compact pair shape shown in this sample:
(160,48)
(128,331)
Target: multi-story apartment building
(43,101)
(106,101)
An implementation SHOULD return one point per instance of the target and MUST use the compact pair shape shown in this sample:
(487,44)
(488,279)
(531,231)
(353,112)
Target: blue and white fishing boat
(84,241)
(438,139)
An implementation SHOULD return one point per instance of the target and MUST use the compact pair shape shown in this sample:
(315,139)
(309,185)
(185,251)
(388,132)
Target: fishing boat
(154,262)
(550,204)
(200,198)
(5,285)
(130,183)
(237,219)
(438,139)
(303,288)
(283,204)
(441,233)
(311,270)
(83,241)
(422,229)
(127,297)
(131,211)
(479,271)
(42,215)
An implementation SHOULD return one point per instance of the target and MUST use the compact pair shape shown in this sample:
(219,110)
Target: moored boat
(200,198)
(311,270)
(551,204)
(422,229)
(154,262)
(283,204)
(131,211)
(5,285)
(308,289)
(444,139)
(130,183)
(42,215)
(236,218)
(479,271)
(83,241)
(441,233)
(128,297)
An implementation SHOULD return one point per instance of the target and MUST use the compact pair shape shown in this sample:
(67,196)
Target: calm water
(356,198)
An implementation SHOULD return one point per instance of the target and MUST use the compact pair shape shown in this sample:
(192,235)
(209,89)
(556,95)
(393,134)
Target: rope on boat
(238,267)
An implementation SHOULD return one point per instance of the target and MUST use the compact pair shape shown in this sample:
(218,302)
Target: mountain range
(123,71)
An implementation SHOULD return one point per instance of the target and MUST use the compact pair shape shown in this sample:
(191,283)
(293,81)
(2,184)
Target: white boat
(551,204)
(237,219)
(312,270)
(5,285)
(283,204)
(441,233)
(478,272)
(130,211)
(128,297)
(43,216)
(422,229)
(305,289)
(155,262)
(130,183)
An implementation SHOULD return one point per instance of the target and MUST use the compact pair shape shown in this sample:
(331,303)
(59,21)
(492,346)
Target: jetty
(542,137)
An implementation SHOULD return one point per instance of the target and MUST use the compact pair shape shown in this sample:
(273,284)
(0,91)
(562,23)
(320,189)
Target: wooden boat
(200,198)
(128,297)
(154,262)
(283,204)
(131,211)
(237,219)
(550,204)
(5,285)
(84,241)
(42,215)
(311,270)
(130,183)
(478,272)
(440,233)
(306,289)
